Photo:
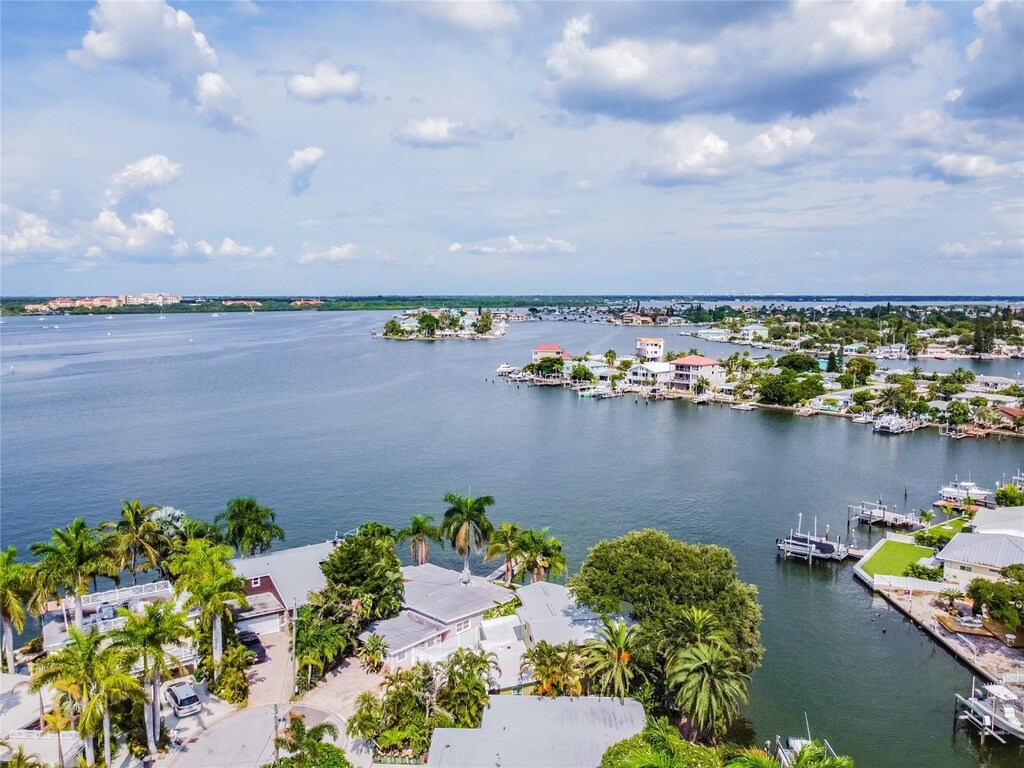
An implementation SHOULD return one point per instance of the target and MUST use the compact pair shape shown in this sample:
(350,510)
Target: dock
(870,513)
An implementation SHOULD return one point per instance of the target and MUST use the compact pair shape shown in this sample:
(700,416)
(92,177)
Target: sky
(490,147)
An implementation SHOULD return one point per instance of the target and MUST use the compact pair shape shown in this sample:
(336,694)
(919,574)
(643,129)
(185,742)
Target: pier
(870,513)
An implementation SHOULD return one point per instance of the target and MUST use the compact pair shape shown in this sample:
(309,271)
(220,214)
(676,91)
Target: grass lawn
(893,557)
(956,524)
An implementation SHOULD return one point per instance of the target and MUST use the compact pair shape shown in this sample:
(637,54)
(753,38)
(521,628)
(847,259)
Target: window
(462,626)
(965,568)
(432,642)
(398,656)
(255,582)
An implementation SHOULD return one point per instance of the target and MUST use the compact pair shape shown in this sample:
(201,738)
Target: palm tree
(249,527)
(145,638)
(542,555)
(420,532)
(814,755)
(68,562)
(466,525)
(950,596)
(76,668)
(306,744)
(507,542)
(709,686)
(56,721)
(114,684)
(216,594)
(610,658)
(15,587)
(136,534)
(926,516)
(692,625)
(540,662)
(890,399)
(372,653)
(752,758)
(20,759)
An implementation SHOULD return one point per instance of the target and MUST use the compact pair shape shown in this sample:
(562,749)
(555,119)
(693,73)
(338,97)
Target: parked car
(183,699)
(252,641)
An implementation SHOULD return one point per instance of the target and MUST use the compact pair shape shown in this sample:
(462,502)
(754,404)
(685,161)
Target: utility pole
(277,755)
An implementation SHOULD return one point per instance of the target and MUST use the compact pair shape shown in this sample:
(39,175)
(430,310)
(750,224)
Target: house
(650,350)
(549,350)
(549,613)
(687,371)
(968,556)
(1005,520)
(440,613)
(278,582)
(534,732)
(751,333)
(20,726)
(650,374)
(1010,417)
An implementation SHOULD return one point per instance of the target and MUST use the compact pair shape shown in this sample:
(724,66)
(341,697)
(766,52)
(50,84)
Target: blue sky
(346,148)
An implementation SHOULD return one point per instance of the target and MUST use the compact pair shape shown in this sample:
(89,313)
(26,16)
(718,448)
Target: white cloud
(779,145)
(478,15)
(443,132)
(956,166)
(218,104)
(686,152)
(985,245)
(326,82)
(302,164)
(162,43)
(513,246)
(142,175)
(229,249)
(26,233)
(336,254)
(180,247)
(953,95)
(148,227)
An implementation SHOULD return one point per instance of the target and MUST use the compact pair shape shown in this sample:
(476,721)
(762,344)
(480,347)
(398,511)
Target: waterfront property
(532,732)
(550,614)
(650,350)
(20,725)
(979,555)
(650,374)
(549,350)
(690,370)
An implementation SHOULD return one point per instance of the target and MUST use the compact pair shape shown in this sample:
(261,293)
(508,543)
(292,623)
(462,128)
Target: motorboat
(808,546)
(864,418)
(994,709)
(505,369)
(891,424)
(747,406)
(958,490)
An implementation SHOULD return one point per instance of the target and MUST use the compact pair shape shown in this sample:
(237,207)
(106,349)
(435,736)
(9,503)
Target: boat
(701,399)
(807,546)
(957,491)
(805,411)
(786,752)
(994,709)
(891,424)
(747,406)
(504,369)
(864,418)
(215,314)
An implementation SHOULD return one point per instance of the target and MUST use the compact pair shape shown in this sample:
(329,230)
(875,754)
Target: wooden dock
(870,513)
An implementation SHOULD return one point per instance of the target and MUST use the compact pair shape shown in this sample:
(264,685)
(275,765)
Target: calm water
(330,428)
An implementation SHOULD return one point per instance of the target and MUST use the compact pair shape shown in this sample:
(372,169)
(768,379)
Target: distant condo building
(242,302)
(159,299)
(306,302)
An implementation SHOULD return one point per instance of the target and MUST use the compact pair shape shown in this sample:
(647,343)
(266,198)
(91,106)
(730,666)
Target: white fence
(900,537)
(906,582)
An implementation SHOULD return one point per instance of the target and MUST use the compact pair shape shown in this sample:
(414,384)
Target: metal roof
(530,732)
(439,593)
(404,631)
(996,550)
(1008,520)
(554,616)
(296,571)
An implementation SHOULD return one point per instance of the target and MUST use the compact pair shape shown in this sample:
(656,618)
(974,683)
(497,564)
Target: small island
(435,324)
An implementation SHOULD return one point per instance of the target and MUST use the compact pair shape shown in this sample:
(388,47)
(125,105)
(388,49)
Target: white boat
(958,491)
(995,710)
(706,397)
(864,418)
(808,546)
(215,314)
(748,406)
(891,424)
(504,369)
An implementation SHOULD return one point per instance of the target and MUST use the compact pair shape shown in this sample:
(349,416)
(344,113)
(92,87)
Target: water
(330,427)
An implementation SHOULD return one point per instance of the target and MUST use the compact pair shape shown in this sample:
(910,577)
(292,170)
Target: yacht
(891,424)
(957,491)
(808,546)
(747,406)
(505,369)
(994,709)
(864,418)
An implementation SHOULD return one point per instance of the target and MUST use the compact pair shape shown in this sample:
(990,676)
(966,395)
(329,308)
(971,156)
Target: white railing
(907,582)
(1013,677)
(30,734)
(123,594)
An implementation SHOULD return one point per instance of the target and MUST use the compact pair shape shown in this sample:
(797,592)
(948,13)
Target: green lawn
(893,557)
(956,524)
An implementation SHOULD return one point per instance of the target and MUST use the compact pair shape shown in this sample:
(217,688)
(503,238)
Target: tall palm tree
(215,594)
(21,759)
(137,535)
(890,399)
(56,721)
(146,639)
(466,525)
(77,666)
(249,528)
(420,532)
(15,587)
(507,542)
(709,686)
(692,625)
(542,555)
(114,684)
(814,755)
(610,658)
(68,562)
(306,744)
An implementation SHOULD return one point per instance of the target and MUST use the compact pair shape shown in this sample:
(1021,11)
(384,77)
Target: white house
(20,726)
(650,374)
(650,350)
(971,555)
(751,333)
(549,350)
(687,371)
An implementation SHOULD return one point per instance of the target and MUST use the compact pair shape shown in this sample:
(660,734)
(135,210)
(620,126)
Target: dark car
(252,641)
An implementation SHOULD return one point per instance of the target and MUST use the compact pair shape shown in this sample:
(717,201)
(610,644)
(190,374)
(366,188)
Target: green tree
(249,528)
(580,372)
(372,653)
(709,687)
(466,525)
(958,412)
(860,368)
(428,324)
(484,322)
(15,588)
(393,328)
(137,535)
(832,366)
(420,532)
(815,755)
(541,555)
(890,399)
(659,745)
(610,658)
(950,595)
(799,362)
(506,541)
(113,684)
(556,670)
(1009,496)
(68,562)
(364,571)
(307,747)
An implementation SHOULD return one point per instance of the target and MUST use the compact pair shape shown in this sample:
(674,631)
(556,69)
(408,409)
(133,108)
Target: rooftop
(440,594)
(530,732)
(996,550)
(697,360)
(553,615)
(1006,520)
(404,631)
(547,348)
(296,571)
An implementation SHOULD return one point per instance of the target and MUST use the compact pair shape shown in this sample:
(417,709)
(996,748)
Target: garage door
(263,625)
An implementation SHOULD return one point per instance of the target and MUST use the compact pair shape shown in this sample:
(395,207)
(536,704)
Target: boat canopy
(1001,692)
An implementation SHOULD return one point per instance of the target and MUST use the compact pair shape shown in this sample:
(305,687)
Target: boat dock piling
(869,513)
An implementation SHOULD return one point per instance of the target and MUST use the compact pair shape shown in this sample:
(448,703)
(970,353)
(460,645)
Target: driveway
(337,695)
(244,740)
(271,681)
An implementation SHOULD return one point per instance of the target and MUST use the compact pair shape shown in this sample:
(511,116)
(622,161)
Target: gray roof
(404,631)
(262,604)
(1009,520)
(440,594)
(554,616)
(996,550)
(530,732)
(296,571)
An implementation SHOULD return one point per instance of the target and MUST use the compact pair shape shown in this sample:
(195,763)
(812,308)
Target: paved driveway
(271,681)
(243,740)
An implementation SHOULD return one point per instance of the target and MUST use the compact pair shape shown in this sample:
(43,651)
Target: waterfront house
(688,370)
(549,613)
(549,350)
(650,350)
(748,334)
(20,726)
(968,556)
(537,732)
(1005,520)
(650,374)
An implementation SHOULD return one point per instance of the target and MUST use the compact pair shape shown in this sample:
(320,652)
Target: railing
(1013,677)
(906,582)
(398,760)
(123,594)
(26,733)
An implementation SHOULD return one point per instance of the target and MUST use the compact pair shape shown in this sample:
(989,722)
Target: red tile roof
(1013,413)
(694,360)
(547,348)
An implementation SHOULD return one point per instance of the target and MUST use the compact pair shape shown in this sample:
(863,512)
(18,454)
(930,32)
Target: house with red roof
(688,370)
(549,350)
